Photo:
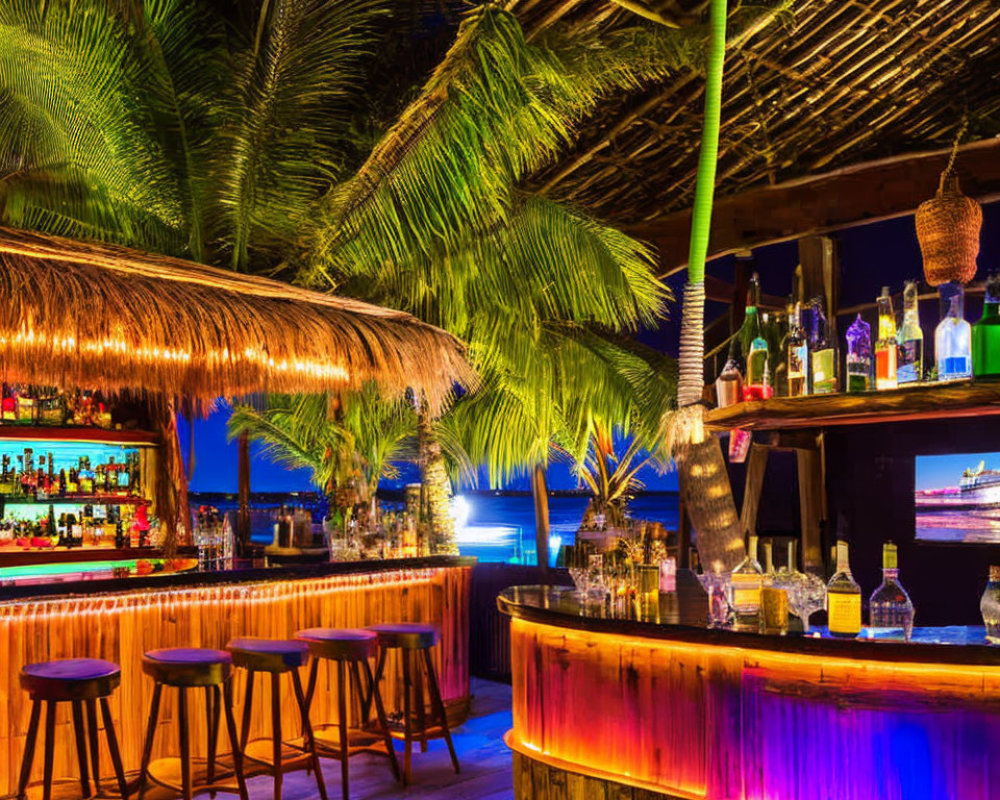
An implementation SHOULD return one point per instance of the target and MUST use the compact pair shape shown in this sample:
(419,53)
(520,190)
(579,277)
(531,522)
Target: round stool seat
(342,644)
(188,666)
(268,655)
(70,679)
(408,635)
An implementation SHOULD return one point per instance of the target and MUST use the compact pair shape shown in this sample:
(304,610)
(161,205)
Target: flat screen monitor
(957,497)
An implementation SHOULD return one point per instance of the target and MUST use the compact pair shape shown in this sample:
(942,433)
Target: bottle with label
(953,337)
(885,345)
(823,354)
(757,383)
(986,333)
(910,339)
(859,356)
(747,579)
(843,598)
(890,606)
(797,355)
(989,605)
(729,384)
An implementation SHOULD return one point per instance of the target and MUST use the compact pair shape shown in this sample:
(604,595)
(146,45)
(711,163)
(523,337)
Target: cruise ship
(980,486)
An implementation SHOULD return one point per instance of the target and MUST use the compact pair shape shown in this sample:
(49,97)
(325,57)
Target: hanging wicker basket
(948,228)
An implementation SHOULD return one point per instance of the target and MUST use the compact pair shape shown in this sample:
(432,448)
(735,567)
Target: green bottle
(986,333)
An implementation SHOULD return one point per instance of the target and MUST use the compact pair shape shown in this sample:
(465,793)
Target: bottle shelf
(921,402)
(92,500)
(76,434)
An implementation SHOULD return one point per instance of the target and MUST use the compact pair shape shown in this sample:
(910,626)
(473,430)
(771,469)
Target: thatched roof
(827,84)
(82,314)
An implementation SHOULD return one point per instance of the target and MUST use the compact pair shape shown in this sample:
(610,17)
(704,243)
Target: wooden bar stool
(415,641)
(276,657)
(191,668)
(82,682)
(351,649)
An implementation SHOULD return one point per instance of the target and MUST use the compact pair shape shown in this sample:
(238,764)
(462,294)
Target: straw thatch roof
(825,85)
(83,314)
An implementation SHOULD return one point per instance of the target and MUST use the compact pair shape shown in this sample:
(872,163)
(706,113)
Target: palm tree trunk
(437,486)
(540,490)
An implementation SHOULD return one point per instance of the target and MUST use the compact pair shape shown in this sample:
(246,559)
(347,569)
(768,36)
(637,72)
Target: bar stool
(350,649)
(415,640)
(186,668)
(276,657)
(82,682)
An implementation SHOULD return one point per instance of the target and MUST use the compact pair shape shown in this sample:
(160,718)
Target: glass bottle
(823,354)
(989,605)
(746,580)
(843,598)
(768,566)
(885,345)
(729,384)
(756,384)
(910,339)
(986,333)
(859,356)
(797,354)
(890,606)
(953,337)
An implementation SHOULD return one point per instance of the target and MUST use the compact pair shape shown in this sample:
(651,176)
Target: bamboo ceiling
(827,85)
(98,316)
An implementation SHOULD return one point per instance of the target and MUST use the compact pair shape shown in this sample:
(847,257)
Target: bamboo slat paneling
(121,627)
(728,723)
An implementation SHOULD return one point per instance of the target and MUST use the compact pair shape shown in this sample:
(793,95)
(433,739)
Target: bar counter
(120,619)
(665,707)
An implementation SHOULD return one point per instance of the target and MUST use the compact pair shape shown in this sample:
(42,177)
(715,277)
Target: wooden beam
(756,468)
(857,195)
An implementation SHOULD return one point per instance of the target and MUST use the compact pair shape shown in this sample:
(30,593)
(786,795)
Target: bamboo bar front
(122,626)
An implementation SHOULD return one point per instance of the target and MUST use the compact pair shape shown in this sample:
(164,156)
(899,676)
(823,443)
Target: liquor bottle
(791,561)
(953,337)
(729,384)
(843,598)
(823,354)
(890,606)
(989,606)
(859,356)
(757,383)
(746,580)
(885,345)
(768,566)
(797,350)
(986,333)
(910,339)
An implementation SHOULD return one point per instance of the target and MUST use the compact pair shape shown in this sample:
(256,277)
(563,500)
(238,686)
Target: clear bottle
(746,580)
(910,339)
(843,598)
(885,345)
(953,337)
(986,333)
(768,566)
(989,605)
(823,354)
(859,356)
(797,355)
(756,384)
(890,606)
(729,384)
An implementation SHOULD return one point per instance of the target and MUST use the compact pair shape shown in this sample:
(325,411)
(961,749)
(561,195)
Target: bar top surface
(682,616)
(175,580)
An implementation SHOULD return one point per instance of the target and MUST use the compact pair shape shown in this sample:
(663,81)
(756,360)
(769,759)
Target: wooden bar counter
(119,620)
(667,708)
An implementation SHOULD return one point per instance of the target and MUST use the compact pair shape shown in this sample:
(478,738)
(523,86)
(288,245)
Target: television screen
(957,498)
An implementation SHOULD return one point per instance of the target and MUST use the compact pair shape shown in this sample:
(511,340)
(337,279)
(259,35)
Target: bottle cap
(890,559)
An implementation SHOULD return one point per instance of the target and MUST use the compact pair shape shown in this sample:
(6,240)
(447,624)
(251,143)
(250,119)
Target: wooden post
(821,275)
(540,490)
(756,467)
(243,483)
(812,503)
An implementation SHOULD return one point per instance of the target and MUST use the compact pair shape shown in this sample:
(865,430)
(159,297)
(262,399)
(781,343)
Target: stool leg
(213,711)
(276,732)
(116,756)
(227,702)
(420,702)
(307,732)
(29,749)
(342,723)
(439,707)
(362,694)
(247,706)
(407,722)
(147,747)
(95,753)
(383,723)
(50,736)
(184,742)
(80,735)
(313,672)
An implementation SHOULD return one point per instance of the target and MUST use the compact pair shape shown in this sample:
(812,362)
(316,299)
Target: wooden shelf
(11,430)
(79,500)
(922,402)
